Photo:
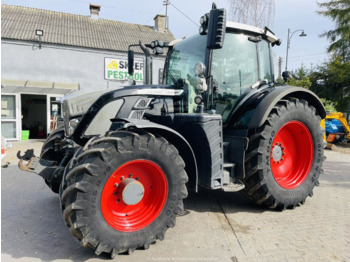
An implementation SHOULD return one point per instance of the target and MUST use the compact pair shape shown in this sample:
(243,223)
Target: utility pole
(288,42)
(280,68)
(166,3)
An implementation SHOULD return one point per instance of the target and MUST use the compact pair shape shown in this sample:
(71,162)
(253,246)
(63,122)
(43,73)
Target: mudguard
(271,99)
(174,138)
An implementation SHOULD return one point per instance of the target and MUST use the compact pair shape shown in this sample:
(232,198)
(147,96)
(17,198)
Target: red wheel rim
(128,218)
(291,155)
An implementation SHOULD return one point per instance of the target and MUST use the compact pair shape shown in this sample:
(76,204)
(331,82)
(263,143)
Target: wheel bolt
(116,185)
(118,200)
(122,178)
(130,175)
(137,178)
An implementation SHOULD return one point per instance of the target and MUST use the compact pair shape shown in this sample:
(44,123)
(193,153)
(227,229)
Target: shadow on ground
(32,225)
(216,201)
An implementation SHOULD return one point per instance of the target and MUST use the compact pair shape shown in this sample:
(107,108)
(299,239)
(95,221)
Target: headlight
(73,123)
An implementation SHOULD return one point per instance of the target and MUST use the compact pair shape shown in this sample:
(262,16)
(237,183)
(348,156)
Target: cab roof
(248,28)
(241,28)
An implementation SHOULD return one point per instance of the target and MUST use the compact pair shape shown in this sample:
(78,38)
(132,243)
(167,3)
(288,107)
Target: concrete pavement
(218,226)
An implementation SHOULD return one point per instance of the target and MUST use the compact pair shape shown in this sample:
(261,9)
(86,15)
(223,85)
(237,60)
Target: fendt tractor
(125,159)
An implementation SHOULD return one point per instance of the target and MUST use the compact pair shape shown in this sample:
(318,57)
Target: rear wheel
(284,157)
(123,191)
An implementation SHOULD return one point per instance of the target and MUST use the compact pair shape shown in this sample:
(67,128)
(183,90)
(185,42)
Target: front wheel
(284,158)
(123,191)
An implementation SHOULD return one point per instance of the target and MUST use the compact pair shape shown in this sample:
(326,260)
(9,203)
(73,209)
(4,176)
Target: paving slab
(217,226)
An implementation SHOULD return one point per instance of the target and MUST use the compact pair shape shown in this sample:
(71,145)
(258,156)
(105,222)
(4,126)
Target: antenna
(166,3)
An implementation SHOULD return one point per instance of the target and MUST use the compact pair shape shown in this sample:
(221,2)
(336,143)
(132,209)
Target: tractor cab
(243,63)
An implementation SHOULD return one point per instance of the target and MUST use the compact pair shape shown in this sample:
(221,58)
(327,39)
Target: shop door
(33,109)
(9,116)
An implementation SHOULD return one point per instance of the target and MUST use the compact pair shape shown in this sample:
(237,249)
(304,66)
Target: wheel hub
(277,152)
(134,195)
(130,191)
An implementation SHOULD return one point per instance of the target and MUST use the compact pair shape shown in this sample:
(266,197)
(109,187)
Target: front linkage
(51,171)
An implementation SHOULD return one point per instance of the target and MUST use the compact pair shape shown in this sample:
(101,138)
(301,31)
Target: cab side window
(234,69)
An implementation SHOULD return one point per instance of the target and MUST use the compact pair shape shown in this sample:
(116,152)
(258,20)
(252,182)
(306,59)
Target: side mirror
(131,62)
(286,75)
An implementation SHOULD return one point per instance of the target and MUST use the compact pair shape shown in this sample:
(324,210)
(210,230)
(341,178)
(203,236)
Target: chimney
(159,22)
(94,11)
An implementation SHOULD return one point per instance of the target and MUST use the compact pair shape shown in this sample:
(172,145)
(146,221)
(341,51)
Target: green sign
(117,69)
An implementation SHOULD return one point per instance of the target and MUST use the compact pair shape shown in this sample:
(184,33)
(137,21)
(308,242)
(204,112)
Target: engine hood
(79,105)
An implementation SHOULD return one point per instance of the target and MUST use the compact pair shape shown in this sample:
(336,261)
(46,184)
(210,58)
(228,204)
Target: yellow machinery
(337,127)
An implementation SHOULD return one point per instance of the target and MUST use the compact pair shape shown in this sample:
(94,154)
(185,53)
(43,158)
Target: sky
(309,51)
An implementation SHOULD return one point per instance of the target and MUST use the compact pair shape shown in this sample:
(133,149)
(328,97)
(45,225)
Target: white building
(46,55)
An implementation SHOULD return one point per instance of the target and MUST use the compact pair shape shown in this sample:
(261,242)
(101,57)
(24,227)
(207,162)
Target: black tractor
(124,160)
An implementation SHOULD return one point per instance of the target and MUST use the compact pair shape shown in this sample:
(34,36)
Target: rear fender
(270,100)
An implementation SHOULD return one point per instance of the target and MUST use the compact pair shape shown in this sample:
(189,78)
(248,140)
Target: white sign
(117,69)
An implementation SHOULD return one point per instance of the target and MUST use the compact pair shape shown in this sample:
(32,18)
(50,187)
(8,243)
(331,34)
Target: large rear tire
(123,191)
(284,158)
(48,153)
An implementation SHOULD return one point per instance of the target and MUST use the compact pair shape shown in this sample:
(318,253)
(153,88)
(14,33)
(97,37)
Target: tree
(300,78)
(258,13)
(332,79)
(332,82)
(339,12)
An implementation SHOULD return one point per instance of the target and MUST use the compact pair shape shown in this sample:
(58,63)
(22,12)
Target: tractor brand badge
(117,69)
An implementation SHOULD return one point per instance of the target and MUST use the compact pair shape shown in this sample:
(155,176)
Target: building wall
(22,60)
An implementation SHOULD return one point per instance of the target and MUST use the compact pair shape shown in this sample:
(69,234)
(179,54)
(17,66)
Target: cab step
(233,187)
